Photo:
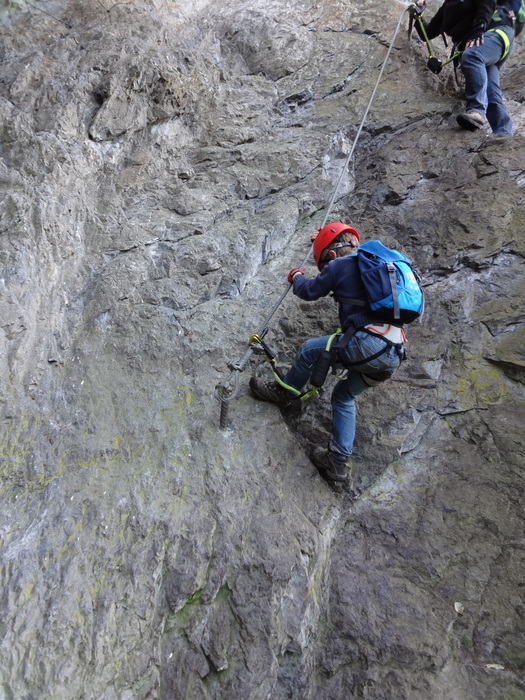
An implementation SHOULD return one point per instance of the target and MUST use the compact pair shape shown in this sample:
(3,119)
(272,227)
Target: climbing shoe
(333,468)
(471,120)
(271,391)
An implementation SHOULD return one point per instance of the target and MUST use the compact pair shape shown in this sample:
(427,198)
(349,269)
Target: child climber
(372,354)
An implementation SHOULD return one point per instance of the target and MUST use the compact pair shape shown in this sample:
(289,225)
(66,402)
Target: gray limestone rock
(162,165)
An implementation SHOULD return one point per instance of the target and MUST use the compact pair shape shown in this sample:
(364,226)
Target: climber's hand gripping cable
(293,272)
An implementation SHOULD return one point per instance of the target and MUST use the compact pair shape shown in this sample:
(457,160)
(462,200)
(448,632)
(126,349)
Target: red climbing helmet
(326,235)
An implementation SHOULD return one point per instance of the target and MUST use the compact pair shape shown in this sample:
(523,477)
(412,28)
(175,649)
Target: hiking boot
(333,468)
(271,391)
(471,120)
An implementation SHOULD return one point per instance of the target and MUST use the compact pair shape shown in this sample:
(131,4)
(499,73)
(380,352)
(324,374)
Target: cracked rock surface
(162,165)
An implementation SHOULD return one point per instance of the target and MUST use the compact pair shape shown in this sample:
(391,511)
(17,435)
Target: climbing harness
(506,42)
(228,390)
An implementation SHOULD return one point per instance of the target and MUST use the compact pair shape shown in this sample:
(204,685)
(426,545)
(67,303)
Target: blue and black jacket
(342,278)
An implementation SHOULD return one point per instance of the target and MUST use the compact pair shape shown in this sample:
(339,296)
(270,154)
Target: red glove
(294,271)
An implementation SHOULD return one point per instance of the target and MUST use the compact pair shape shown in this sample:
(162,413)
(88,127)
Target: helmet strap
(326,251)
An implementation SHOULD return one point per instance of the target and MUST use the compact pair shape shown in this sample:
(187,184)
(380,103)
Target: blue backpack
(392,285)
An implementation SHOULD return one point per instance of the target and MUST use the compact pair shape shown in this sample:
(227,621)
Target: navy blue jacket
(342,278)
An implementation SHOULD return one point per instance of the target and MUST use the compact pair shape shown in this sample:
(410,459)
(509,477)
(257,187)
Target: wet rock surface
(162,166)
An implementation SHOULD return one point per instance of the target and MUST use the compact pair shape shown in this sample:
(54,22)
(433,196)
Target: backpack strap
(347,300)
(393,283)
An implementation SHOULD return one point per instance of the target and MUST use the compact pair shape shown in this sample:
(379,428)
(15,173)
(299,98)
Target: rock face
(162,166)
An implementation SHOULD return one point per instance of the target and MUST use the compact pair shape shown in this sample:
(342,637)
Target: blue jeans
(361,346)
(481,67)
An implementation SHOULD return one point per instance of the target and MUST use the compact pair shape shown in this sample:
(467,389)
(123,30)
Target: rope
(367,110)
(224,392)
